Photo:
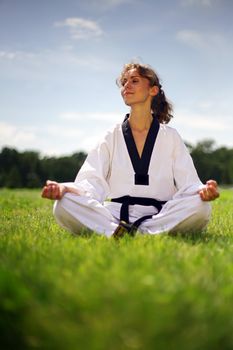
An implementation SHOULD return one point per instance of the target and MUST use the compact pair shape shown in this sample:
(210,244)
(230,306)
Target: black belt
(128,200)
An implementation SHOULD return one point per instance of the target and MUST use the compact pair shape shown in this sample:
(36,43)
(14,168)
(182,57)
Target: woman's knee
(197,219)
(203,211)
(61,210)
(200,217)
(58,209)
(63,216)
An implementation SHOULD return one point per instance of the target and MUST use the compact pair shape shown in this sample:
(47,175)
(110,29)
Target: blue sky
(59,60)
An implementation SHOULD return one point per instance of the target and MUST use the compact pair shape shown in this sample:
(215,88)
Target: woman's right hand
(53,190)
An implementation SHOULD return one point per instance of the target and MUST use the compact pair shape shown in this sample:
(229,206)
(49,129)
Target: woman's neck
(140,120)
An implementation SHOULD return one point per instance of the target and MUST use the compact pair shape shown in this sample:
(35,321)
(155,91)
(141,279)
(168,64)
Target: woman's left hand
(210,191)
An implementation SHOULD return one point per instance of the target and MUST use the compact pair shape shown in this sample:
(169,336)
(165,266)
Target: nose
(127,85)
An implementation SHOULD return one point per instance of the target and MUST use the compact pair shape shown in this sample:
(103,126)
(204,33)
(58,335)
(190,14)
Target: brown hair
(160,106)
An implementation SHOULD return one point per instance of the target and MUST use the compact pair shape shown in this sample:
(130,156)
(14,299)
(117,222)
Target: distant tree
(63,168)
(13,178)
(9,168)
(223,159)
(30,169)
(213,163)
(9,157)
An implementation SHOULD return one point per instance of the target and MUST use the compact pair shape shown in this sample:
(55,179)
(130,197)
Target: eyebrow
(133,76)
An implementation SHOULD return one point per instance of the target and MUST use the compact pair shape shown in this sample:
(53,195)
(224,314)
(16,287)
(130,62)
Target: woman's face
(136,89)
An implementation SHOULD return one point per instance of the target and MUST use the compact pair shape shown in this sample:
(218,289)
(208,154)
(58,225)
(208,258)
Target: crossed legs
(182,214)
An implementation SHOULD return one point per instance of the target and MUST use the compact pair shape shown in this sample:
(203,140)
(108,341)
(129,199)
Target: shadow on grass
(203,236)
(192,238)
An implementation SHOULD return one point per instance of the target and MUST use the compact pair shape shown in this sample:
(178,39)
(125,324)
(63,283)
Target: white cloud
(114,2)
(16,55)
(204,120)
(197,126)
(199,40)
(107,4)
(206,105)
(7,55)
(198,122)
(110,117)
(16,136)
(81,28)
(51,139)
(43,65)
(202,3)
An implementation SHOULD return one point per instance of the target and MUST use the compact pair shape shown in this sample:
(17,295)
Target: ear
(154,90)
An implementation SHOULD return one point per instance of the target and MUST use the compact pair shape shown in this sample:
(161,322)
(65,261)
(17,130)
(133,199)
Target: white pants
(185,212)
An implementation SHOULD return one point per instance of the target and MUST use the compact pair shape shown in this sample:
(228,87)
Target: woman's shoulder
(171,135)
(114,128)
(111,132)
(106,137)
(168,130)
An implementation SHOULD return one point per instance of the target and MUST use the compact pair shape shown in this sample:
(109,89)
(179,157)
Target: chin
(127,103)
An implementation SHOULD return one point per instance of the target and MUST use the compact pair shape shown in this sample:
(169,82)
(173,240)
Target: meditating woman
(140,177)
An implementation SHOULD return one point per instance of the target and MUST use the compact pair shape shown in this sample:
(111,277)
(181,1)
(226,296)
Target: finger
(201,195)
(211,183)
(50,189)
(57,194)
(60,192)
(45,192)
(204,193)
(213,189)
(214,193)
(53,191)
(49,182)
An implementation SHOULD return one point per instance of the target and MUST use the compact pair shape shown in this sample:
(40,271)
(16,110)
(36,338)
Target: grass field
(58,291)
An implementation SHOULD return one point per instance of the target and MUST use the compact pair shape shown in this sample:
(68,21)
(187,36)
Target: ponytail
(161,107)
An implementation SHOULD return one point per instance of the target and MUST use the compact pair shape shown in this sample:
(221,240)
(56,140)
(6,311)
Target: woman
(141,176)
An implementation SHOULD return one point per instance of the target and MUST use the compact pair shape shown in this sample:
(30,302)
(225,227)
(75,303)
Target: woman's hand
(210,191)
(53,190)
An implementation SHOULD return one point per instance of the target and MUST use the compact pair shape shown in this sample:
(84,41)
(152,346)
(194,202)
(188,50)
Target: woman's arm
(186,174)
(91,178)
(55,190)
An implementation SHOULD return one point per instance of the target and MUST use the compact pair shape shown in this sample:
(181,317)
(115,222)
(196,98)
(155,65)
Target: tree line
(29,170)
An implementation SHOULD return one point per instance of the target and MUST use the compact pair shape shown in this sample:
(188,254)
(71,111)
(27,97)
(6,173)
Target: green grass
(58,291)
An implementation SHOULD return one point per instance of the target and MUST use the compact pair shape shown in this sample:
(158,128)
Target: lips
(127,93)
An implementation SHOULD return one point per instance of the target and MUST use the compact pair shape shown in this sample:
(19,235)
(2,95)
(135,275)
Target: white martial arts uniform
(108,173)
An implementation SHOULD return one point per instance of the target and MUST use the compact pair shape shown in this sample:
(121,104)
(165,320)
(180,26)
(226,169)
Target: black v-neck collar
(140,164)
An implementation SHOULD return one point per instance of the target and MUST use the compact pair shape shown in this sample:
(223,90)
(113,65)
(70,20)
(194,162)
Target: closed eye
(133,80)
